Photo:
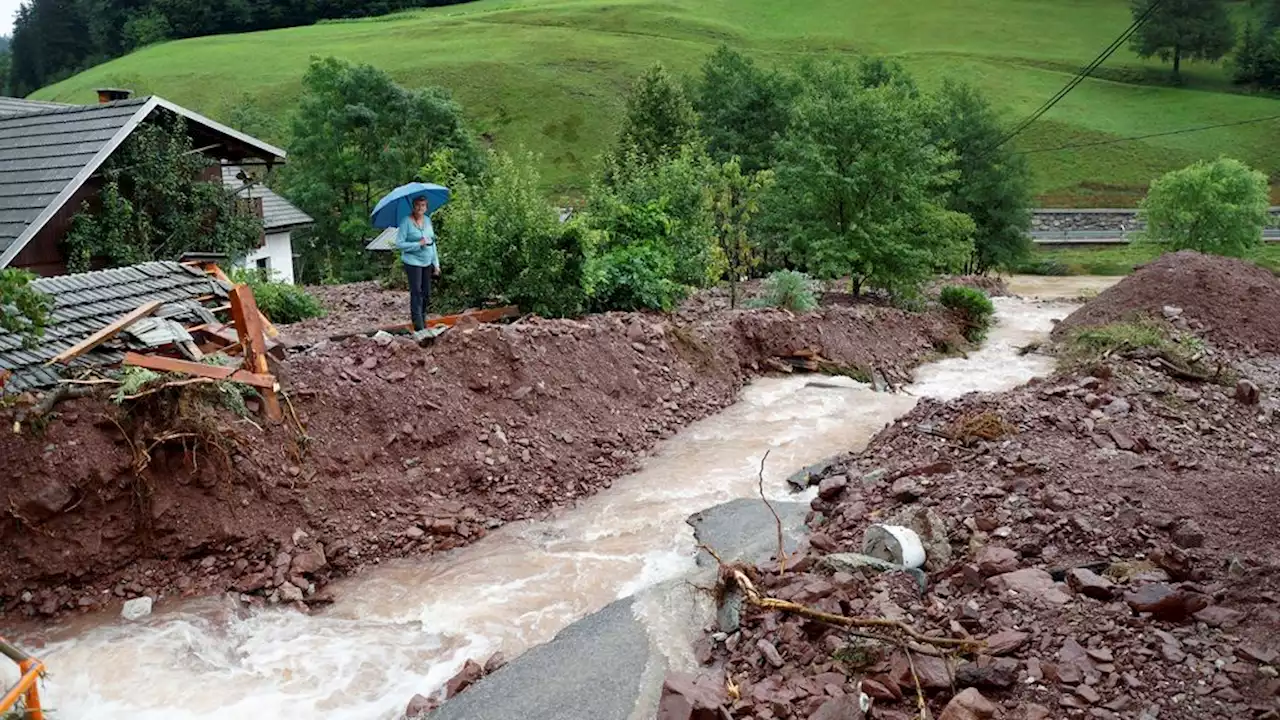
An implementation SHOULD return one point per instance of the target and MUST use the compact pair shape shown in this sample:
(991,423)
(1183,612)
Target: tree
(23,310)
(743,109)
(506,242)
(659,119)
(859,184)
(736,201)
(1183,29)
(1218,207)
(992,184)
(1257,60)
(153,205)
(357,135)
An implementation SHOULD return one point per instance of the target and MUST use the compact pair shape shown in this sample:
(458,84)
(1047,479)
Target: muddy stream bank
(407,626)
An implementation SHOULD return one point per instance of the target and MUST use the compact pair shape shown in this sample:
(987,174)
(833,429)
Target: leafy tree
(356,135)
(1178,29)
(992,184)
(635,277)
(1257,60)
(155,205)
(859,184)
(506,241)
(743,108)
(736,201)
(659,119)
(1217,207)
(23,310)
(666,204)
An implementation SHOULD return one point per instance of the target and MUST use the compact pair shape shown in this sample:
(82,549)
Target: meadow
(549,75)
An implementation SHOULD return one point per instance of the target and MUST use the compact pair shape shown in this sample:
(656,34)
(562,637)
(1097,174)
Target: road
(1087,238)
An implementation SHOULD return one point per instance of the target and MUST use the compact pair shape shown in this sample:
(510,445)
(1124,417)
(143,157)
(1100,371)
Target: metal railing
(26,689)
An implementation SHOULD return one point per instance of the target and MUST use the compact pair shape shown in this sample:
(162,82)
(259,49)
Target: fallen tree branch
(782,555)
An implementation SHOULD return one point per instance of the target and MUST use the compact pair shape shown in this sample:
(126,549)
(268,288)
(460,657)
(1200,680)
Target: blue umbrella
(398,204)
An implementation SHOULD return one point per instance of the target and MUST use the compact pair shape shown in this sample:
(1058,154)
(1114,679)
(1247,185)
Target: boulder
(1090,584)
(419,707)
(994,560)
(969,705)
(845,707)
(1166,602)
(1006,641)
(308,561)
(1030,583)
(832,487)
(466,677)
(686,697)
(136,609)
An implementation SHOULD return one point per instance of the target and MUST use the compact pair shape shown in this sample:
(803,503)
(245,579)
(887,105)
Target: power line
(1113,141)
(1083,73)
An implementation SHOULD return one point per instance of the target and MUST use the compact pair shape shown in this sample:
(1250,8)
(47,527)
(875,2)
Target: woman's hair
(419,200)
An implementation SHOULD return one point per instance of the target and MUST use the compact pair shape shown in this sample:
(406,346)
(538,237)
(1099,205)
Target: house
(50,154)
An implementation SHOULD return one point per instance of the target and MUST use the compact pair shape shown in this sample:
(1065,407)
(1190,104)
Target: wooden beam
(213,372)
(248,321)
(480,316)
(105,333)
(214,270)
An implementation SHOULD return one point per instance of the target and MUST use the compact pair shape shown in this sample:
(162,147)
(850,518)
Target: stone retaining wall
(1084,220)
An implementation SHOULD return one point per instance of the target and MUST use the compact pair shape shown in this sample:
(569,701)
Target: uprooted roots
(986,425)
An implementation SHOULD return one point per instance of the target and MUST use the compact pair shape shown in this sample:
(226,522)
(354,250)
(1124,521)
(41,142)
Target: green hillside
(549,74)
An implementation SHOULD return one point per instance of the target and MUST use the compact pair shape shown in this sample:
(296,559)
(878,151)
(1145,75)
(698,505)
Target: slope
(549,75)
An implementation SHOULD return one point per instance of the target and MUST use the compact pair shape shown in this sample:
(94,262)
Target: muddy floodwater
(407,626)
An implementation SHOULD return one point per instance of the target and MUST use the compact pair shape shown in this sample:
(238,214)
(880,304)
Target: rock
(48,500)
(969,705)
(1172,312)
(136,609)
(308,562)
(770,652)
(906,490)
(729,612)
(1187,534)
(1088,694)
(466,677)
(1247,392)
(994,676)
(831,488)
(685,697)
(495,662)
(1031,583)
(1090,584)
(1116,408)
(874,478)
(419,707)
(856,563)
(1165,602)
(878,691)
(290,593)
(934,672)
(845,707)
(1059,502)
(1258,654)
(993,560)
(1033,711)
(807,476)
(932,530)
(1006,641)
(1220,617)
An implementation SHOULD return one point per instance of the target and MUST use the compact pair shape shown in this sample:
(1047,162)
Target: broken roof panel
(87,302)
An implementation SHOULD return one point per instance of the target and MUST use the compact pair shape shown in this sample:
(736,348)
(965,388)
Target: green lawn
(549,75)
(1119,260)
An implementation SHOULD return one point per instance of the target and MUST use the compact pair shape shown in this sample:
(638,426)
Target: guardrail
(1087,238)
(26,689)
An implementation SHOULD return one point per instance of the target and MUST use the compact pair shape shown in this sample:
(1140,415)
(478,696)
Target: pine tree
(1183,29)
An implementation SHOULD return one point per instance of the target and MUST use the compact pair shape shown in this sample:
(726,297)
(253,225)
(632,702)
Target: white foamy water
(407,626)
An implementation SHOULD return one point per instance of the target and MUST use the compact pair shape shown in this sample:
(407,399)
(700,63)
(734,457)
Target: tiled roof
(85,303)
(18,106)
(277,213)
(41,153)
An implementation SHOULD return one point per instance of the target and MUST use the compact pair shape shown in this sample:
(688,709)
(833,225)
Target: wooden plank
(248,322)
(214,270)
(213,372)
(480,316)
(105,333)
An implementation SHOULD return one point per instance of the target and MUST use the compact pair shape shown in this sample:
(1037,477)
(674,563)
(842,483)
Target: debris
(995,560)
(419,707)
(894,544)
(1090,584)
(466,677)
(686,697)
(1247,392)
(105,333)
(832,487)
(1031,583)
(969,705)
(136,609)
(1165,602)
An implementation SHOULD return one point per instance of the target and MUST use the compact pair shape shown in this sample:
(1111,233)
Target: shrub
(282,303)
(23,310)
(973,306)
(635,277)
(1217,207)
(791,290)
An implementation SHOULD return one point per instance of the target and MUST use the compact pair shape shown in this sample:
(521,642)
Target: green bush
(1217,207)
(791,290)
(282,303)
(973,305)
(23,310)
(635,277)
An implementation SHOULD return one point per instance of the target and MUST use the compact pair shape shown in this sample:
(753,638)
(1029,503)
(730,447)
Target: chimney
(106,95)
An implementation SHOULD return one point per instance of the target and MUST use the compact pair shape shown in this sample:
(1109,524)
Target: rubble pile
(1107,535)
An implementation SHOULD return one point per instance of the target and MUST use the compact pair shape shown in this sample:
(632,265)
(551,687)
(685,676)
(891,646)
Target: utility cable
(1167,133)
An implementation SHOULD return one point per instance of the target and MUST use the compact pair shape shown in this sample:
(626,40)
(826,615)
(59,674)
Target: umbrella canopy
(392,209)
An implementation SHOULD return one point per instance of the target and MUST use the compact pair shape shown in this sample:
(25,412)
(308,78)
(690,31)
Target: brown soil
(409,450)
(1235,302)
(350,308)
(1162,485)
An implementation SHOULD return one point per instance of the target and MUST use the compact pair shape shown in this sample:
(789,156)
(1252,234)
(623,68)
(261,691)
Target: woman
(417,243)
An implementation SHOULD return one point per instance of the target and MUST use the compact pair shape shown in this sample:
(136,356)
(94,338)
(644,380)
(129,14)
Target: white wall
(278,254)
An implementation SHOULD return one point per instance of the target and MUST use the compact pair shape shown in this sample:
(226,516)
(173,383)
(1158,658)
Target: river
(407,626)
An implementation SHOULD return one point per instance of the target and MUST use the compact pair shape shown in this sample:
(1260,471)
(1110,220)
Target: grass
(1119,259)
(1144,336)
(549,75)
